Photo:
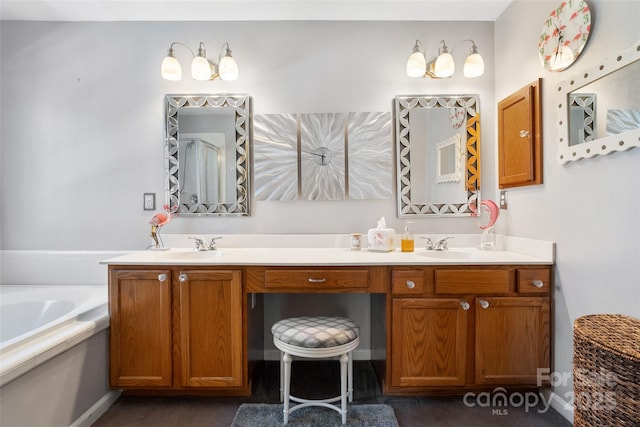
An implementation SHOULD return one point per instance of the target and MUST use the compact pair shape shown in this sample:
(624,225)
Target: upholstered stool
(316,338)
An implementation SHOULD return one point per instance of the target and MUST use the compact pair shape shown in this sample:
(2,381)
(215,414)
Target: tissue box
(381,239)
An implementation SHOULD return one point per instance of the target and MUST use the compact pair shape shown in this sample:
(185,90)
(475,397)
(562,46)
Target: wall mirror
(438,154)
(207,154)
(588,128)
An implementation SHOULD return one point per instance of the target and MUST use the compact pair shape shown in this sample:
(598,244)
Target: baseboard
(357,354)
(99,408)
(563,407)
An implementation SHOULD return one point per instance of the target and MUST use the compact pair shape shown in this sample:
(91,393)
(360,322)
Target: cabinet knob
(411,284)
(183,277)
(162,277)
(537,283)
(465,305)
(484,303)
(312,280)
(524,133)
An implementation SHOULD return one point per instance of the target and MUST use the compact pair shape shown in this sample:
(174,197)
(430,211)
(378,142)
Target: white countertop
(325,257)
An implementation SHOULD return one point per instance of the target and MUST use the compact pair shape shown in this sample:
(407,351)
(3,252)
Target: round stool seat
(315,332)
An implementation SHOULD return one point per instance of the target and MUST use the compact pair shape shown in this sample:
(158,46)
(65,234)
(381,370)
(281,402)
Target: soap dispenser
(407,243)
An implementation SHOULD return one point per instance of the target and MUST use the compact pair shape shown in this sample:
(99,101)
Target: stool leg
(344,361)
(286,358)
(281,376)
(350,377)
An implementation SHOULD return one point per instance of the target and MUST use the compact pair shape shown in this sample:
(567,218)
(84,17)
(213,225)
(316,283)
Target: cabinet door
(512,339)
(211,328)
(140,332)
(519,138)
(429,342)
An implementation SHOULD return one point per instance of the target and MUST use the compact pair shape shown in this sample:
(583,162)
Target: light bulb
(474,65)
(170,68)
(200,68)
(444,66)
(228,68)
(416,65)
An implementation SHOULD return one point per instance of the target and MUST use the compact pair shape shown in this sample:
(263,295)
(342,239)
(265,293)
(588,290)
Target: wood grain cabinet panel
(520,138)
(211,328)
(512,339)
(140,332)
(429,342)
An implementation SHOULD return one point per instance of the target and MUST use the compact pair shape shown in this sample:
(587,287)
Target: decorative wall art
(323,156)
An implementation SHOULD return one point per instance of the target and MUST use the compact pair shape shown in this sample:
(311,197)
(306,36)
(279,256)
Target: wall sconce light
(443,65)
(201,67)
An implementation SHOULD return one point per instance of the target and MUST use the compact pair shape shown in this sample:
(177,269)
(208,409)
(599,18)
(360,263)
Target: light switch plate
(503,200)
(149,201)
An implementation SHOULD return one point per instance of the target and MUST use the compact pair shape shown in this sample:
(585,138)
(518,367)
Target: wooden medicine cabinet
(520,137)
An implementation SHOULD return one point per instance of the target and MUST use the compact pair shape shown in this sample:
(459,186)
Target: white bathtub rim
(97,297)
(23,357)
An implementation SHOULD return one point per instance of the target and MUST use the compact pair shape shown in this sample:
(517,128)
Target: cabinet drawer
(316,279)
(534,281)
(407,282)
(473,281)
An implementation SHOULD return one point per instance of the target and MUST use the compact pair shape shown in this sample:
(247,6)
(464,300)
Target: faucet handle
(198,242)
(212,243)
(429,246)
(443,243)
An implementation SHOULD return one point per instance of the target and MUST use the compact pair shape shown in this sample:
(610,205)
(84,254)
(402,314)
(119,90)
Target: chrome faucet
(201,246)
(440,245)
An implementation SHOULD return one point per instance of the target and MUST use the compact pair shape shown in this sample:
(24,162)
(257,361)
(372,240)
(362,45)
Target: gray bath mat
(265,415)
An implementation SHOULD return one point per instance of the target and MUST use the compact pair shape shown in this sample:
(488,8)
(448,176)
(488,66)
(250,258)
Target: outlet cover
(503,200)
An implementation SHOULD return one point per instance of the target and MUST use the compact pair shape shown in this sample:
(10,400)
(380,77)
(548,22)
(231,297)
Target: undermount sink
(192,255)
(448,254)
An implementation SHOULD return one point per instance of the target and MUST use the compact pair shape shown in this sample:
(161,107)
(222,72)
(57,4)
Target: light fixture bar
(202,69)
(443,65)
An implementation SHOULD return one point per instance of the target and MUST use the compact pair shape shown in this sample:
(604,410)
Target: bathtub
(53,354)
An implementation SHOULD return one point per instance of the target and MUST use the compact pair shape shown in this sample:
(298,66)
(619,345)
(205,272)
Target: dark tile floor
(306,378)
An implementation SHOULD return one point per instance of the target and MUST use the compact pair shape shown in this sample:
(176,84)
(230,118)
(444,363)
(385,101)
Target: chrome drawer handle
(411,284)
(183,277)
(312,280)
(484,303)
(524,133)
(465,305)
(537,283)
(162,277)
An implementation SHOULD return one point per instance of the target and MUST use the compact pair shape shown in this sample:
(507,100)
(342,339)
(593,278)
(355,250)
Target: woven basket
(606,370)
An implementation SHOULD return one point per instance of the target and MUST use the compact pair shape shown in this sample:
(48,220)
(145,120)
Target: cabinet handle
(484,303)
(537,283)
(524,133)
(411,284)
(465,305)
(183,277)
(162,277)
(312,280)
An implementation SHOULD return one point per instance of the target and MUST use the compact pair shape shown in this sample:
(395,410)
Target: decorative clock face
(564,34)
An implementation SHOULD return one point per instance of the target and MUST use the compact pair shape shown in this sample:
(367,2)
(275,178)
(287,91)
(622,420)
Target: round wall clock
(564,34)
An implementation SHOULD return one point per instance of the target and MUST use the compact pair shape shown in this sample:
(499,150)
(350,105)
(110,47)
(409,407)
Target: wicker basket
(606,370)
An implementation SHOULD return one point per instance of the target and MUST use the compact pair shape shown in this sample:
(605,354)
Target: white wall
(590,207)
(82,118)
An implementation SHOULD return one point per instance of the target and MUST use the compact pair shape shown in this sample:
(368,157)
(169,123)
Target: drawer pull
(465,305)
(410,284)
(484,303)
(537,283)
(162,277)
(183,277)
(312,280)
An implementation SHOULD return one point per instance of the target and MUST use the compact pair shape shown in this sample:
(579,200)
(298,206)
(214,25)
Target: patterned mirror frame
(403,105)
(240,103)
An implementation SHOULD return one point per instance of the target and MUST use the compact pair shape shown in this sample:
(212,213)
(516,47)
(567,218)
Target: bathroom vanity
(185,322)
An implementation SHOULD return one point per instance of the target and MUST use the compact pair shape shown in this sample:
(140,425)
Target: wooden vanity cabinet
(177,329)
(140,331)
(460,328)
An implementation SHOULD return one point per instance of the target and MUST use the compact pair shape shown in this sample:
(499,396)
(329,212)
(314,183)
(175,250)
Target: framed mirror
(438,154)
(587,128)
(207,154)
